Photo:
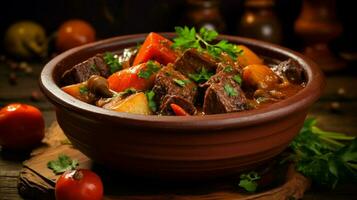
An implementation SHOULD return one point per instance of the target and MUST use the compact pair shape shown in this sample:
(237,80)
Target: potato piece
(248,57)
(80,91)
(259,77)
(135,103)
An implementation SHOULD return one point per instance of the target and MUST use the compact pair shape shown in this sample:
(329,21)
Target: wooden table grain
(336,111)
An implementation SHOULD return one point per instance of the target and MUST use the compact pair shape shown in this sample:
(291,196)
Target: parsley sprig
(328,158)
(249,181)
(83,90)
(228,69)
(231,91)
(150,97)
(201,77)
(325,156)
(180,82)
(202,41)
(62,164)
(151,68)
(237,79)
(112,61)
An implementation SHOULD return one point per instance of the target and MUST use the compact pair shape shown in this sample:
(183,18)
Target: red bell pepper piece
(156,47)
(140,77)
(178,110)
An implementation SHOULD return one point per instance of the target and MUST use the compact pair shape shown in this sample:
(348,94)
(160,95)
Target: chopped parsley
(83,90)
(168,74)
(112,61)
(189,38)
(94,67)
(237,79)
(150,97)
(201,77)
(62,164)
(228,68)
(128,91)
(249,181)
(180,82)
(151,68)
(230,90)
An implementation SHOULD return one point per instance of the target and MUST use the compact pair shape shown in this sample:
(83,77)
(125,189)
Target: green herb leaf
(201,77)
(62,164)
(180,82)
(208,35)
(168,74)
(94,67)
(230,90)
(189,38)
(112,61)
(228,69)
(151,68)
(83,90)
(150,96)
(249,181)
(127,92)
(186,38)
(325,156)
(237,79)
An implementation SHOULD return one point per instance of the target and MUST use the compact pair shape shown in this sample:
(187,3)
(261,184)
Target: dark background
(138,16)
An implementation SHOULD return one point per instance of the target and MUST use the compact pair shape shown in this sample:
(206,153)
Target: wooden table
(335,111)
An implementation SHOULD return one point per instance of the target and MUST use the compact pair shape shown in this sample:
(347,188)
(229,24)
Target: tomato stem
(78,175)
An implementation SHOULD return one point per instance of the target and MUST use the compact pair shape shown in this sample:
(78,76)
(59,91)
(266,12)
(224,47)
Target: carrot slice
(178,110)
(156,47)
(133,77)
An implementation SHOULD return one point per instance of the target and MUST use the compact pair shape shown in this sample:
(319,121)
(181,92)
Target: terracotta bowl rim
(299,102)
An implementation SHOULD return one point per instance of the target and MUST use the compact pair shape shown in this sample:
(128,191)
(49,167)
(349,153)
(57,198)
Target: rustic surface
(343,119)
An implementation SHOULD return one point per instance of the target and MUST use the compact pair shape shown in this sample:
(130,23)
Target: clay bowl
(172,147)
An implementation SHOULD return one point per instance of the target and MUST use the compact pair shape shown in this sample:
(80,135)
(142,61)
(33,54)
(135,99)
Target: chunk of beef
(83,71)
(167,83)
(291,71)
(192,62)
(223,70)
(223,95)
(165,108)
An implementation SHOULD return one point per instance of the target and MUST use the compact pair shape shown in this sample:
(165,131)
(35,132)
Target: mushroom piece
(99,86)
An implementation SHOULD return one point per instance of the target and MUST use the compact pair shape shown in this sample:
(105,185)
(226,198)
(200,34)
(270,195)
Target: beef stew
(192,75)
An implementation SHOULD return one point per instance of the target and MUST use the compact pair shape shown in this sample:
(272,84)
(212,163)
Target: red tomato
(79,184)
(74,33)
(21,126)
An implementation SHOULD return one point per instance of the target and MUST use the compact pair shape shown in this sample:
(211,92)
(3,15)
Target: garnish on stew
(230,90)
(151,68)
(201,77)
(112,61)
(150,96)
(189,38)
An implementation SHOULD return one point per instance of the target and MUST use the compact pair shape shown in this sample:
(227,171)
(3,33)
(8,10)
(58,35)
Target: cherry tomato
(74,33)
(79,184)
(21,126)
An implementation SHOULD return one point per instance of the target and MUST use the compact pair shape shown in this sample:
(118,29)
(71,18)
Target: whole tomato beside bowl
(73,33)
(79,184)
(21,126)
